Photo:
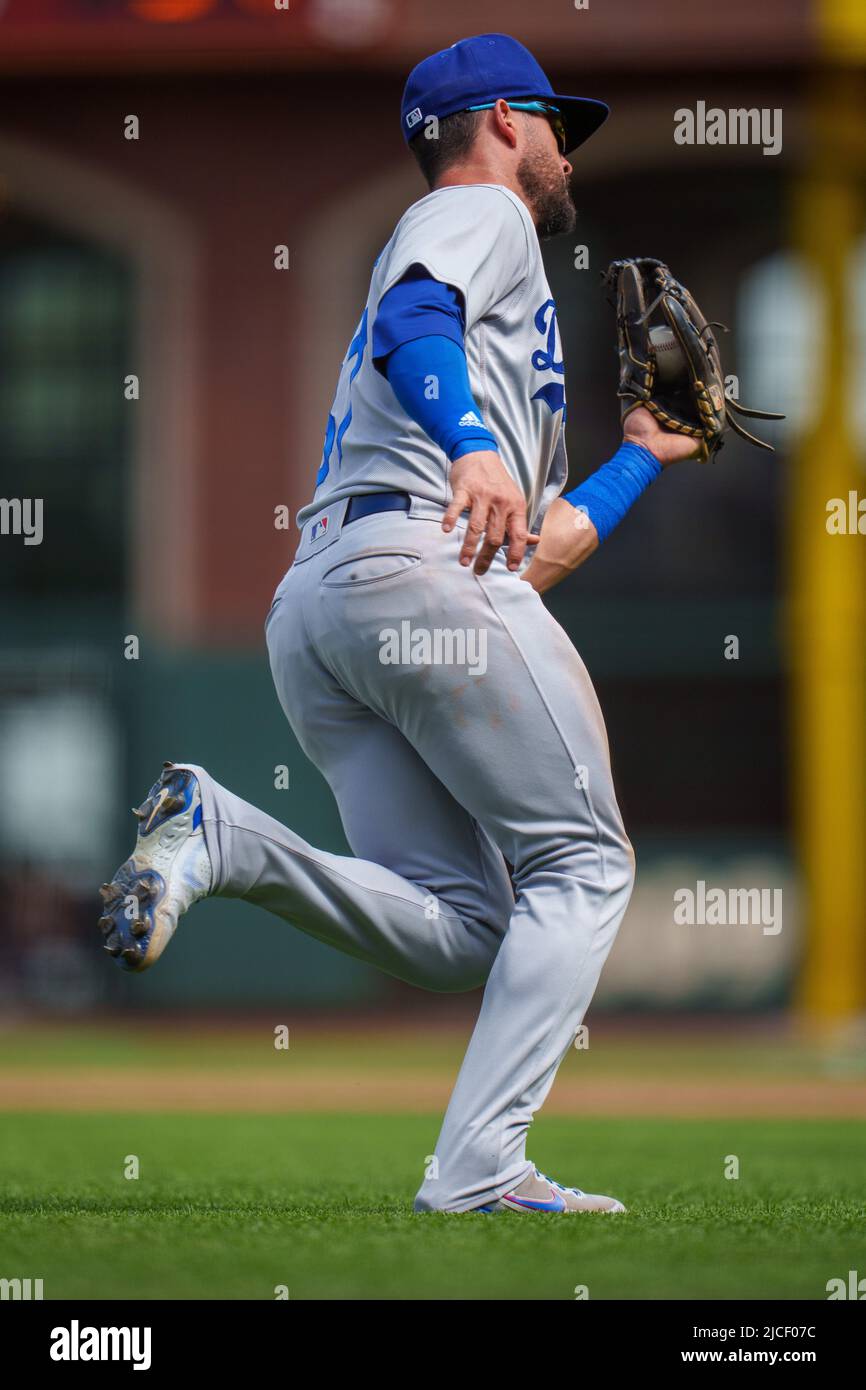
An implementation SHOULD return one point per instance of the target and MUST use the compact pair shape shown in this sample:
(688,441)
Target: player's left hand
(641,427)
(481,485)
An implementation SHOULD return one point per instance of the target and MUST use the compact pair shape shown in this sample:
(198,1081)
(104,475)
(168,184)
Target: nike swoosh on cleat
(157,807)
(556,1202)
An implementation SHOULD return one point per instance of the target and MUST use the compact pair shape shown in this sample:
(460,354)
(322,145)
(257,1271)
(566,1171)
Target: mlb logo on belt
(318,528)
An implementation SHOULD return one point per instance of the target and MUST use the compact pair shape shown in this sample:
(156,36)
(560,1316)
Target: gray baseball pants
(457,728)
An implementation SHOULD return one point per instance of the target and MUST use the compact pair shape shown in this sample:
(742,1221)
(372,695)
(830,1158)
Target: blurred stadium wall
(154,257)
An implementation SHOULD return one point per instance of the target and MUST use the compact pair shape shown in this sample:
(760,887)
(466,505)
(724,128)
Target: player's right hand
(481,485)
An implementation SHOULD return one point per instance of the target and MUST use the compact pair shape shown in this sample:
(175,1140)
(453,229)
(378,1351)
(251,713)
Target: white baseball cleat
(540,1194)
(168,871)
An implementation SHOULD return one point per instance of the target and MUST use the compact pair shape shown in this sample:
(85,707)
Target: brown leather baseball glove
(669,357)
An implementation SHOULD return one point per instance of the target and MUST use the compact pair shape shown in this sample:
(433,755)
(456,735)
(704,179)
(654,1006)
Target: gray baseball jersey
(479,238)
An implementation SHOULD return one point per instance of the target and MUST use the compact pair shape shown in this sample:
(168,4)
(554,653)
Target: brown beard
(548,195)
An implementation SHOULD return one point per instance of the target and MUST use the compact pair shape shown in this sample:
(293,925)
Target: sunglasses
(536,108)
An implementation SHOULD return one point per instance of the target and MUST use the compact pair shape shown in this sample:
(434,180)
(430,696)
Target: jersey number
(335,433)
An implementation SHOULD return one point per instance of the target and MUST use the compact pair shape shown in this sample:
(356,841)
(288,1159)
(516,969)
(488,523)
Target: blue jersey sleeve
(416,307)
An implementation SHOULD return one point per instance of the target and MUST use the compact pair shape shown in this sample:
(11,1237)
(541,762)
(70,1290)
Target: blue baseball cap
(483,69)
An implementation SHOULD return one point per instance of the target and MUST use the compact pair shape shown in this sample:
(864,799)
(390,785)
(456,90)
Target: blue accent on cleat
(556,1202)
(168,797)
(127,920)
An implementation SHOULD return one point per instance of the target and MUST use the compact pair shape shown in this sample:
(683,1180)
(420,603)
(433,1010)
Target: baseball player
(413,656)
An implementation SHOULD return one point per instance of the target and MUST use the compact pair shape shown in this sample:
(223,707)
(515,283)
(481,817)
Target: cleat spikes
(131,955)
(144,890)
(139,926)
(112,950)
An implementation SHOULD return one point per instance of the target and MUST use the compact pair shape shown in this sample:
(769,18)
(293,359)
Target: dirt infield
(111,1089)
(401,1066)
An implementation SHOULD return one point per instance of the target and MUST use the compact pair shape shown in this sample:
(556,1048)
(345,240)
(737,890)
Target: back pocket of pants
(369,568)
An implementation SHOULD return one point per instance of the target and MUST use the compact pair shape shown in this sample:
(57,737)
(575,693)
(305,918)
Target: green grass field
(231,1206)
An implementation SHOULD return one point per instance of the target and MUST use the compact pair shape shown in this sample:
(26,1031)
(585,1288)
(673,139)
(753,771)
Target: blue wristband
(607,494)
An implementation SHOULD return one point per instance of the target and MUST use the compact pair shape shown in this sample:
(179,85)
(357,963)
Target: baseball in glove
(669,357)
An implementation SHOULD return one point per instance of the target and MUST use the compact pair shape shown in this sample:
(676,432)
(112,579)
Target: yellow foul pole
(827,572)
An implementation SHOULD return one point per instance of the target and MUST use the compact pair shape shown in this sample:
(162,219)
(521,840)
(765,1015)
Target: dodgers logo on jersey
(545,359)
